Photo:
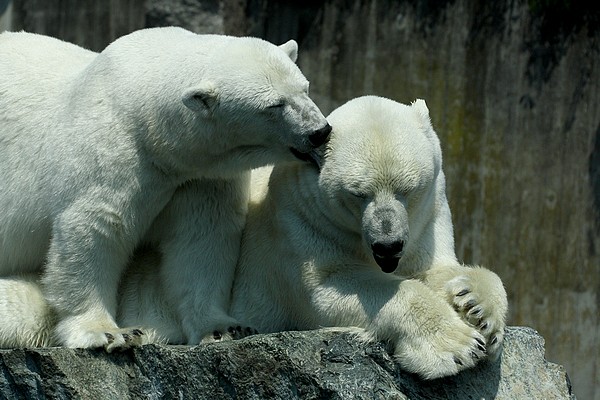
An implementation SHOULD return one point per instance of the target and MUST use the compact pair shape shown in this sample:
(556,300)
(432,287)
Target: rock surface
(323,364)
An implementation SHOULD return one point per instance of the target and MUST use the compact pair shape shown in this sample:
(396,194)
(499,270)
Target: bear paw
(456,346)
(480,300)
(231,333)
(109,338)
(122,339)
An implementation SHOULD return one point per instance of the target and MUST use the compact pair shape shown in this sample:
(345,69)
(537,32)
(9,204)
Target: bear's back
(38,57)
(35,71)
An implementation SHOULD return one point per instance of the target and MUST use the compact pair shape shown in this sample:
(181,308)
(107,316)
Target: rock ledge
(322,364)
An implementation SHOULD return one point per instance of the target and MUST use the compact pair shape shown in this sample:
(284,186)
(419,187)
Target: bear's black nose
(387,264)
(320,136)
(387,250)
(387,255)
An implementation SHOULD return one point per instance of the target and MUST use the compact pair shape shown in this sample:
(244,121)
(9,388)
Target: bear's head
(209,104)
(382,178)
(255,101)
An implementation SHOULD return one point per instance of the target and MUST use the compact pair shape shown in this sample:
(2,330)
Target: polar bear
(148,143)
(368,242)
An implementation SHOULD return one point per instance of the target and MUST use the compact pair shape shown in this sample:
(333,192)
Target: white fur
(148,142)
(27,319)
(307,258)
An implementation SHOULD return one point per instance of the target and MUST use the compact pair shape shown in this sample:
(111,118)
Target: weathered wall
(89,23)
(5,14)
(513,90)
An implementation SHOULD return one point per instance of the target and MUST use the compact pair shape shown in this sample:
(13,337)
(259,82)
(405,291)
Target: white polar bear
(147,142)
(368,242)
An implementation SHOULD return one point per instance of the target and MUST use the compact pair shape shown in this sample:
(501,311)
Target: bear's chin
(387,264)
(311,157)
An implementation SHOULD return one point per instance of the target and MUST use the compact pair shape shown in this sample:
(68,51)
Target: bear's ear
(422,112)
(201,98)
(291,49)
(423,115)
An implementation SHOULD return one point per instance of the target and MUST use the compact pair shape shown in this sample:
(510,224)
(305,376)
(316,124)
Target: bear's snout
(387,255)
(320,136)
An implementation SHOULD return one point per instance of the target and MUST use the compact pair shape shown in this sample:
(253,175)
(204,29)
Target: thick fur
(307,257)
(148,142)
(27,319)
(312,247)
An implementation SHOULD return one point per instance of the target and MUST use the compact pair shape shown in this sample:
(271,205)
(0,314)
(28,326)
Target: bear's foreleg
(199,234)
(428,337)
(89,248)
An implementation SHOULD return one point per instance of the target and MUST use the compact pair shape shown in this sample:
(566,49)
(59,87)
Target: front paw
(452,347)
(97,335)
(230,333)
(122,339)
(480,300)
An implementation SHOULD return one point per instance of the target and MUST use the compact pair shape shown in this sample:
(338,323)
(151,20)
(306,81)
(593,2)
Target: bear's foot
(71,333)
(480,301)
(453,348)
(123,339)
(231,333)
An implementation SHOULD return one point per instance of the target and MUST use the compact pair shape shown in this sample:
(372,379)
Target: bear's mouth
(387,264)
(312,157)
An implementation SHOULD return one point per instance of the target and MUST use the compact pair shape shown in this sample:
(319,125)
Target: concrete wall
(5,15)
(89,23)
(513,90)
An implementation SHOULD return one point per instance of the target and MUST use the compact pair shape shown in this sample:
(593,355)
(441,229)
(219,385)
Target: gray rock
(322,364)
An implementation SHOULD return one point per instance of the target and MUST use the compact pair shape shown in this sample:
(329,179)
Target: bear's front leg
(478,296)
(427,336)
(199,234)
(89,248)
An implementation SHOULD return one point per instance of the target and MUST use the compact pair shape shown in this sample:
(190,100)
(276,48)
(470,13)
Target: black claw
(474,355)
(110,337)
(231,330)
(480,342)
(494,340)
(475,311)
(470,304)
(458,361)
(137,332)
(127,338)
(217,335)
(238,328)
(482,348)
(483,326)
(462,292)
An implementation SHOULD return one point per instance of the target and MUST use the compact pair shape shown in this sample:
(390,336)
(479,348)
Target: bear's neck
(297,188)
